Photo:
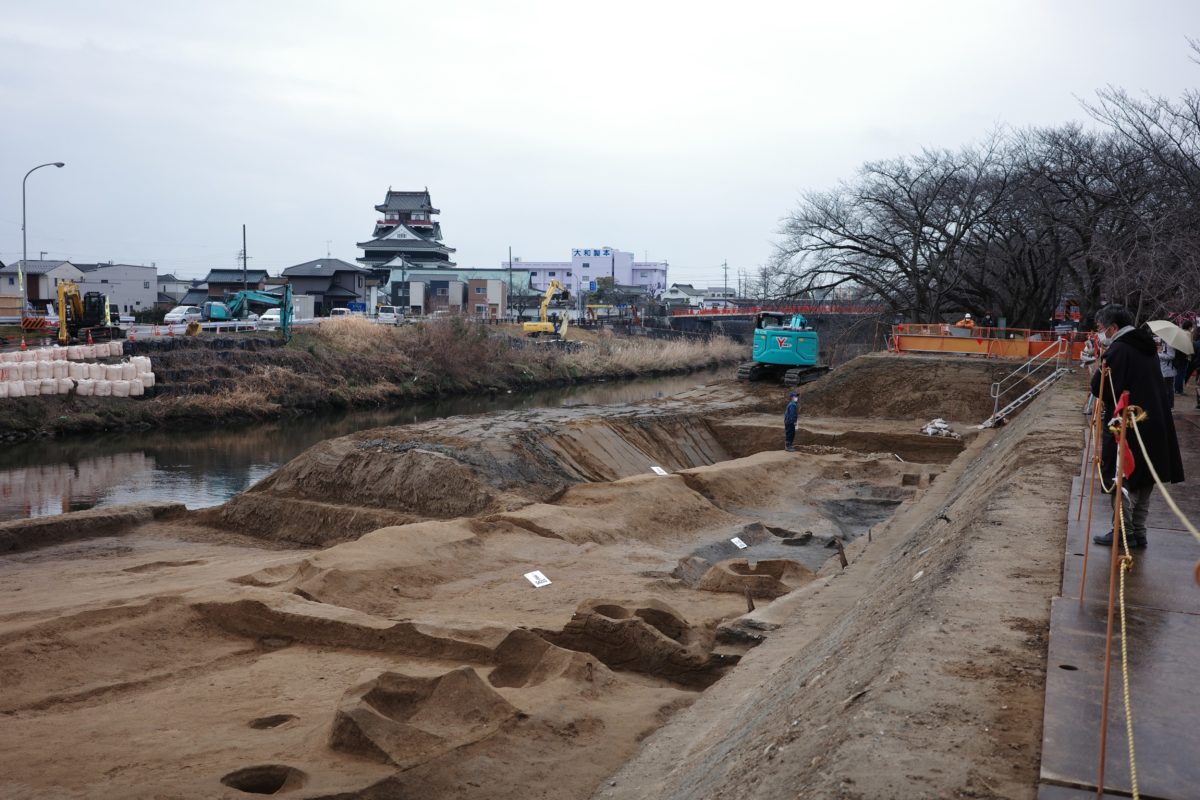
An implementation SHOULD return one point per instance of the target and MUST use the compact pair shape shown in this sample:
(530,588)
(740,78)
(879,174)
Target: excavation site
(636,601)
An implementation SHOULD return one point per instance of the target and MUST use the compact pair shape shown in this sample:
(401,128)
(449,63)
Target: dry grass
(621,356)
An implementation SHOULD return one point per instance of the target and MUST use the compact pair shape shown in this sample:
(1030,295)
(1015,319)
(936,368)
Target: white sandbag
(41,354)
(28,370)
(3,390)
(32,387)
(87,352)
(96,372)
(136,388)
(65,385)
(103,389)
(128,371)
(120,388)
(147,379)
(112,372)
(86,387)
(77,371)
(116,348)
(16,388)
(49,386)
(143,364)
(74,352)
(8,358)
(60,368)
(58,354)
(44,370)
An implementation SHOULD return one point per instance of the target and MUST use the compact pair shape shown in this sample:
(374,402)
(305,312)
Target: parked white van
(388,315)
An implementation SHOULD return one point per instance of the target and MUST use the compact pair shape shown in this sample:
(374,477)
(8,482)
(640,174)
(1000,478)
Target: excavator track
(802,375)
(750,371)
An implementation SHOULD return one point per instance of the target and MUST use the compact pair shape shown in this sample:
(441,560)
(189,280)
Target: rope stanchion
(1118,525)
(1097,433)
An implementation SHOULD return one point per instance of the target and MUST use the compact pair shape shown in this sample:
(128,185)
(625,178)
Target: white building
(41,279)
(590,264)
(683,294)
(130,288)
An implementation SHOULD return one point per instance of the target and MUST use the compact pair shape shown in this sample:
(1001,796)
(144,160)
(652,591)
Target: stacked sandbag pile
(59,370)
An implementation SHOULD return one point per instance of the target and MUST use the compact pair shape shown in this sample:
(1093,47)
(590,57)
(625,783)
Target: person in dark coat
(1132,360)
(789,421)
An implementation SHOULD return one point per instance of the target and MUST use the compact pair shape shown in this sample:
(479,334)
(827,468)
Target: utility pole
(510,286)
(244,286)
(725,266)
(328,242)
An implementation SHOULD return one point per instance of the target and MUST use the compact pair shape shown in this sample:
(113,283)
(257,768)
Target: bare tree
(895,232)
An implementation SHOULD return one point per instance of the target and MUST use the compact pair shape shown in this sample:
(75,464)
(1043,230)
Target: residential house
(41,279)
(10,297)
(130,288)
(478,292)
(222,282)
(196,296)
(719,297)
(174,288)
(331,282)
(683,295)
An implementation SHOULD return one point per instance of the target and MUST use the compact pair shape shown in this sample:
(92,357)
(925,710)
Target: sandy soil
(358,624)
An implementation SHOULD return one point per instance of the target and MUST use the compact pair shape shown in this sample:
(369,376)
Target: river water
(206,468)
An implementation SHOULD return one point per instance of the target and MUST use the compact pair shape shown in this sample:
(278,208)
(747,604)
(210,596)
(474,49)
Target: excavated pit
(397,650)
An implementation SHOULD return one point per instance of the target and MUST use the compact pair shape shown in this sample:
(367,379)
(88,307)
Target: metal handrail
(1060,348)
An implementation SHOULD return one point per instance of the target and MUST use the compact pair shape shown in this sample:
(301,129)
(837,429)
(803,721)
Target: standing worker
(1132,361)
(789,422)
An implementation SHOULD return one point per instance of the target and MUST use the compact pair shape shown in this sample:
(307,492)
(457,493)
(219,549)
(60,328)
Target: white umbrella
(1172,334)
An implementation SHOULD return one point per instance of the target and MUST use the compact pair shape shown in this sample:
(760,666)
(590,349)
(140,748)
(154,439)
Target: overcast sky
(679,131)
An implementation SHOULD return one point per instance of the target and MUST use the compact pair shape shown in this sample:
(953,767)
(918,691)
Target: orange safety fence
(987,342)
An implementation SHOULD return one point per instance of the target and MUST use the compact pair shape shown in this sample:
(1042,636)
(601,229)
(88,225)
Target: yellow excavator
(82,314)
(547,324)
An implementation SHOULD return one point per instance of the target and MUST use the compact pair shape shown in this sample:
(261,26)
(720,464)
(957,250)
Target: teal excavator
(785,347)
(237,305)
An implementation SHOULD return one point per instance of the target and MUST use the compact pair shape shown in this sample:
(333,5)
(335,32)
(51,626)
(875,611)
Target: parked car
(339,312)
(269,319)
(180,314)
(389,315)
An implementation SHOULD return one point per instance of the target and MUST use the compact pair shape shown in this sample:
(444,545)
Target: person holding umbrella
(1176,353)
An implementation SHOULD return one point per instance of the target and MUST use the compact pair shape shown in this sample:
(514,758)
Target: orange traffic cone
(90,338)
(156,330)
(170,330)
(23,344)
(131,334)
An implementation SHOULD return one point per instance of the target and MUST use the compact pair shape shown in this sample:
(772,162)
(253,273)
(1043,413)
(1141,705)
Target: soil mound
(404,720)
(461,467)
(646,508)
(763,579)
(906,387)
(653,639)
(525,659)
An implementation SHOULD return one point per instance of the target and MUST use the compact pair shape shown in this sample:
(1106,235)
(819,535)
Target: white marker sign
(660,471)
(737,541)
(537,579)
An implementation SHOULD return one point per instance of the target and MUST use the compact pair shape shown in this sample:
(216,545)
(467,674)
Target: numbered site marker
(537,579)
(660,471)
(738,543)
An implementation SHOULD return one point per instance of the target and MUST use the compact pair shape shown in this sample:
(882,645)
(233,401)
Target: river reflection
(205,468)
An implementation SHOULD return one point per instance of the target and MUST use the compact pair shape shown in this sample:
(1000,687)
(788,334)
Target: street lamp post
(24,246)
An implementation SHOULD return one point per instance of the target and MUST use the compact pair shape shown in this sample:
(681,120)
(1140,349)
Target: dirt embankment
(416,660)
(223,379)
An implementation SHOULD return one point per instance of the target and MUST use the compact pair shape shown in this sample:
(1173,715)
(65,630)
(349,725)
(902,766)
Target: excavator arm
(544,325)
(70,309)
